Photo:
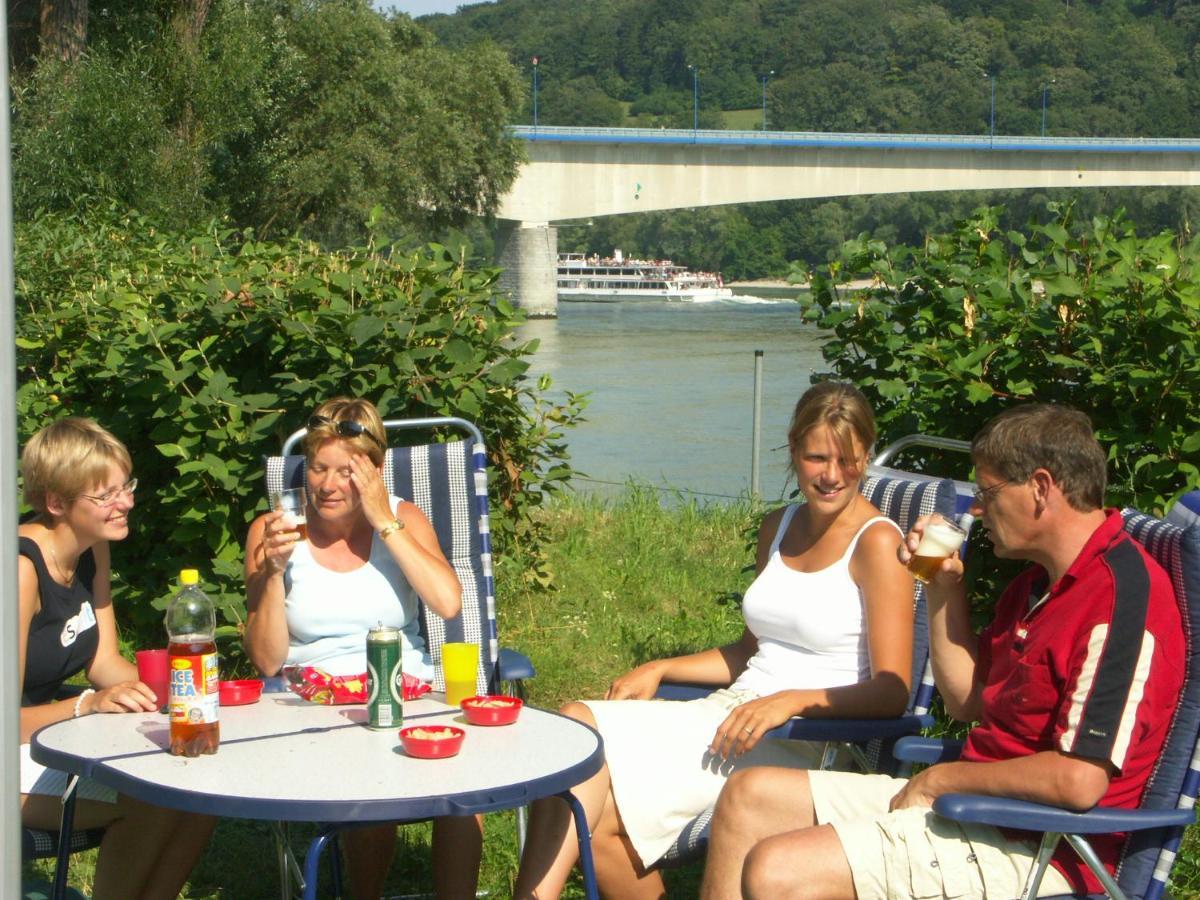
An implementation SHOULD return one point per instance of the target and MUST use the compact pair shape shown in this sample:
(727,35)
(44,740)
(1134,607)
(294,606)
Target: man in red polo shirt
(1073,685)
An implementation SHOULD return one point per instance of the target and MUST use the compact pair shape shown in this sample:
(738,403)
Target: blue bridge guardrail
(562,134)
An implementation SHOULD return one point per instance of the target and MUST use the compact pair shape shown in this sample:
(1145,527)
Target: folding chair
(448,481)
(37,843)
(902,499)
(1186,510)
(1157,825)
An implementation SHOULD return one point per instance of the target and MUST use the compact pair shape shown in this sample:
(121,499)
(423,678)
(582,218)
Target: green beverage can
(385,679)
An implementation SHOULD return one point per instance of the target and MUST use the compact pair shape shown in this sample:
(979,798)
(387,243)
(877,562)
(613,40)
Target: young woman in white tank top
(828,634)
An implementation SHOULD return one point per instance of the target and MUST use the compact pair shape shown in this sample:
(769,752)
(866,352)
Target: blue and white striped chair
(903,500)
(448,481)
(1156,827)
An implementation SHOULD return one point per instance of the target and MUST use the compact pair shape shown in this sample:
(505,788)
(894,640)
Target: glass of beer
(939,541)
(294,504)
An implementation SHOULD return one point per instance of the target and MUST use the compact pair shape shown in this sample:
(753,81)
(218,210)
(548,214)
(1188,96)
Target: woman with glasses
(77,479)
(368,558)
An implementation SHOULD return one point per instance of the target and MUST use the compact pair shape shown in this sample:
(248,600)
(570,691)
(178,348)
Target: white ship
(582,277)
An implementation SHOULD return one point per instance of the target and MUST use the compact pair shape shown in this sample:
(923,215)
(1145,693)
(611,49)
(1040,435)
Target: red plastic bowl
(495,709)
(239,693)
(432,747)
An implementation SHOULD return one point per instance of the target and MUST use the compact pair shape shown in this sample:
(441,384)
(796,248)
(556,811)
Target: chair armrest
(681,690)
(852,730)
(927,750)
(1003,812)
(514,666)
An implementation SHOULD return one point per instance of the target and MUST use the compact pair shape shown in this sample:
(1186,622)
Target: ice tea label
(195,691)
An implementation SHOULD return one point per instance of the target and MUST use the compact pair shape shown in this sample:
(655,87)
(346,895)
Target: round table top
(284,758)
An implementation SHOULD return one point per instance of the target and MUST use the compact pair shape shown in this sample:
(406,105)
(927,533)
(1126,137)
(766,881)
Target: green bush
(203,351)
(947,335)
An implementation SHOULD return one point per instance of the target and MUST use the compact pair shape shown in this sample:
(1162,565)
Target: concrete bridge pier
(528,254)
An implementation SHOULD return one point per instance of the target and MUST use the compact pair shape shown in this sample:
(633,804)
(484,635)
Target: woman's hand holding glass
(280,537)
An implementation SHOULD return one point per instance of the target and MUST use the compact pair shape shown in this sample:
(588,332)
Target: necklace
(66,577)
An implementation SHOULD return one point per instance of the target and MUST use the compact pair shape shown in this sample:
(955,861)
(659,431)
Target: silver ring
(748,730)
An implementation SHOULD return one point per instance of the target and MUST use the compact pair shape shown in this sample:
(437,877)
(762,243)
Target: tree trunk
(190,16)
(64,28)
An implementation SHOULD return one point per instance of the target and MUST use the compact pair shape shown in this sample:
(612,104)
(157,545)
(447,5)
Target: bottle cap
(189,577)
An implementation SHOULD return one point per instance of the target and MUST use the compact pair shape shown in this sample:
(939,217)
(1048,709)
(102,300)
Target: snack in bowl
(239,693)
(494,709)
(432,741)
(318,686)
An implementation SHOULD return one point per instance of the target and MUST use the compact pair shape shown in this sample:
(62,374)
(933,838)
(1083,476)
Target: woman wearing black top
(77,479)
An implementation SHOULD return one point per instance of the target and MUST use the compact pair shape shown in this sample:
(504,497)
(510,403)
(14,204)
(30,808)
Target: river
(672,390)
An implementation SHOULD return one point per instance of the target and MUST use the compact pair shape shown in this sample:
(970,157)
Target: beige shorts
(914,853)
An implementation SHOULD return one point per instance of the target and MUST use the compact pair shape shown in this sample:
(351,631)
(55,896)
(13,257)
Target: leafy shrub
(947,335)
(203,351)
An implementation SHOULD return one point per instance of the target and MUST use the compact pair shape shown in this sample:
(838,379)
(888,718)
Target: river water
(672,390)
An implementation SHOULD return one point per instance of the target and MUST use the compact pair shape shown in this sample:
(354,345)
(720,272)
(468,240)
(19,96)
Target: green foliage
(287,117)
(202,351)
(946,335)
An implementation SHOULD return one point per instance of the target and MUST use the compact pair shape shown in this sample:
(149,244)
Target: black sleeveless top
(63,636)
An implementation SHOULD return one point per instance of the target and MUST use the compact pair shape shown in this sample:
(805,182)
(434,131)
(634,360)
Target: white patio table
(284,759)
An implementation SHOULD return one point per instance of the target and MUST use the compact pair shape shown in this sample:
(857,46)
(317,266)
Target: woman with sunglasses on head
(367,559)
(77,479)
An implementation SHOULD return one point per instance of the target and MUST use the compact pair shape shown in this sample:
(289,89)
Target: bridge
(577,173)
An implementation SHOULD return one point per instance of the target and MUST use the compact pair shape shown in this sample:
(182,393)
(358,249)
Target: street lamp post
(695,100)
(535,89)
(764,92)
(992,118)
(1045,89)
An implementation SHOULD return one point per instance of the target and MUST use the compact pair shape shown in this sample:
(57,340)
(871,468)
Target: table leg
(586,865)
(65,825)
(291,879)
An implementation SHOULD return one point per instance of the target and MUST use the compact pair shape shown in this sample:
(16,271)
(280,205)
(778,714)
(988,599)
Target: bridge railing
(555,133)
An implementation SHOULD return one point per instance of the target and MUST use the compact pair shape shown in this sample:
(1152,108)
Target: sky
(422,7)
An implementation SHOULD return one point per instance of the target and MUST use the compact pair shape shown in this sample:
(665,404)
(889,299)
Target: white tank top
(810,626)
(329,613)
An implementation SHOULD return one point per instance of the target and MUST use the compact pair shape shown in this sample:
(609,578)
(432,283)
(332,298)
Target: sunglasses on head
(346,428)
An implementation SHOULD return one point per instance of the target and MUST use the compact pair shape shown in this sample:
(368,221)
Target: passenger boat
(582,277)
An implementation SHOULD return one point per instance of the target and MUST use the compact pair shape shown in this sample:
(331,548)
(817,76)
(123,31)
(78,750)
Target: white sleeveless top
(810,626)
(329,613)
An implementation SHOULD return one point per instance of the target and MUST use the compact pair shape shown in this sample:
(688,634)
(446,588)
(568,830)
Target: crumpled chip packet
(318,686)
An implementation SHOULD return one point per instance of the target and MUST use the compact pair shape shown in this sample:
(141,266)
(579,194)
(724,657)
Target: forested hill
(1110,68)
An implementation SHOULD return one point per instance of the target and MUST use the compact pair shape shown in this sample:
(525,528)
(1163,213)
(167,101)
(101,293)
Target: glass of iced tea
(939,541)
(294,504)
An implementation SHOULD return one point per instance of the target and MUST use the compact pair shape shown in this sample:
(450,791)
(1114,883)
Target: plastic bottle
(195,679)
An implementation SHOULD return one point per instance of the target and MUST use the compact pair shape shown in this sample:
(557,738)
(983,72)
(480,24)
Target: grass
(634,581)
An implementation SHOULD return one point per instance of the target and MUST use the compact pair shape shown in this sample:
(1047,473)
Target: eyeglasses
(346,428)
(985,495)
(109,499)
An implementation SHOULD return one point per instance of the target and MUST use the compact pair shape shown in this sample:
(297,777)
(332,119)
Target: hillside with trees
(1110,68)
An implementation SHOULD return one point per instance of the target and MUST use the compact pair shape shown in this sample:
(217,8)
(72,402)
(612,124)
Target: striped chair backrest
(448,482)
(904,500)
(1148,855)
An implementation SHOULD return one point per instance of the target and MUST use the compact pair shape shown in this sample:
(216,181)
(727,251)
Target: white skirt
(37,779)
(662,772)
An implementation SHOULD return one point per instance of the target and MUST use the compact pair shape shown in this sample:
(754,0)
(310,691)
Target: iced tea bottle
(195,680)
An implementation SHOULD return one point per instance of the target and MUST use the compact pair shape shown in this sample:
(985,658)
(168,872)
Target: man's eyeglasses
(109,499)
(985,495)
(346,428)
